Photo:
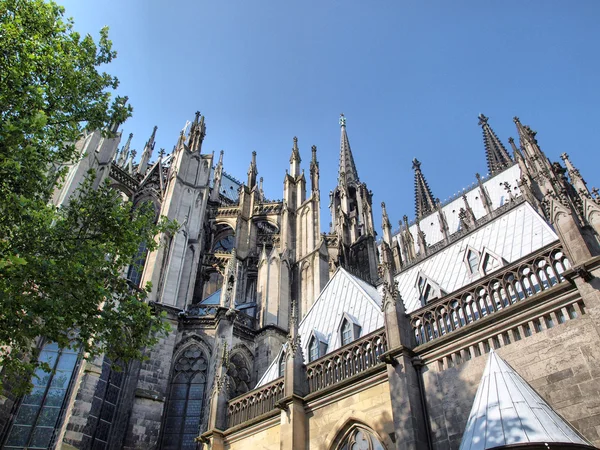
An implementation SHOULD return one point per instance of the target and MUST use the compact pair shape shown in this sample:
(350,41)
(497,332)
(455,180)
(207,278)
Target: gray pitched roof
(511,236)
(506,410)
(344,293)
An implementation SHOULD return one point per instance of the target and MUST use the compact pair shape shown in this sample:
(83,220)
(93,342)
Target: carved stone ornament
(390,294)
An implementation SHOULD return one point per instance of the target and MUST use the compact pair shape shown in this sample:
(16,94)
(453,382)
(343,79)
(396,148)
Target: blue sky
(411,78)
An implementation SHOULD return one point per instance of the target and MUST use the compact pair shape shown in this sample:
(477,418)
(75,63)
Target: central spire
(496,154)
(347,172)
(424,202)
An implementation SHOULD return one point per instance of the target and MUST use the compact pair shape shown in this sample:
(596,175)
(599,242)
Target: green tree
(61,268)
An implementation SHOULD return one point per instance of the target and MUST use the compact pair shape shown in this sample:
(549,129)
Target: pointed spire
(423,250)
(485,198)
(424,202)
(197,133)
(125,152)
(496,154)
(442,219)
(576,178)
(217,177)
(386,225)
(295,159)
(506,411)
(407,240)
(147,153)
(129,167)
(252,172)
(314,170)
(347,167)
(469,214)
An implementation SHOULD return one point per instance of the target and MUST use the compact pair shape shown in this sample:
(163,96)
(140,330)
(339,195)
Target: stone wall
(561,363)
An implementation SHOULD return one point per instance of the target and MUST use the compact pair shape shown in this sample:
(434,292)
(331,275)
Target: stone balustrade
(255,403)
(501,289)
(348,361)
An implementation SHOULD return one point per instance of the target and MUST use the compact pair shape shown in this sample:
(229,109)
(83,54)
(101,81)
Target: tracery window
(359,438)
(105,403)
(134,274)
(185,404)
(239,376)
(40,410)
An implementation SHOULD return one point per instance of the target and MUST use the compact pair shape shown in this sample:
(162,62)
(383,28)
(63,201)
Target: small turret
(218,177)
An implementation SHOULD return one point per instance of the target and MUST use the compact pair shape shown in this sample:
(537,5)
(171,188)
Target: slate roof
(344,293)
(430,224)
(511,236)
(506,410)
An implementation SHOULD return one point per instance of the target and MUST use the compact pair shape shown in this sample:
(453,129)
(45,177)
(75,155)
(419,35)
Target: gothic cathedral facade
(474,325)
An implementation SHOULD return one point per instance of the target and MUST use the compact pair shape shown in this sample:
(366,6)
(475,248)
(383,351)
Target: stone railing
(123,177)
(346,362)
(501,289)
(254,403)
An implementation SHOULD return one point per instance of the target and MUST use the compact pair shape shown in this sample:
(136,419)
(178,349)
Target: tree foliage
(61,269)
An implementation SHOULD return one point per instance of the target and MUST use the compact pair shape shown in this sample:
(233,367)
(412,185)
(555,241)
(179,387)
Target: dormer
(428,289)
(472,259)
(317,346)
(348,330)
(490,262)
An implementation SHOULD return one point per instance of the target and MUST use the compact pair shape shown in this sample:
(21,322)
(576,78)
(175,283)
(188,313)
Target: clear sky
(410,76)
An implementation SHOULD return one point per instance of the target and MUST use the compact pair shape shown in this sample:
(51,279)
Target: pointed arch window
(346,332)
(360,438)
(349,330)
(40,411)
(186,400)
(313,349)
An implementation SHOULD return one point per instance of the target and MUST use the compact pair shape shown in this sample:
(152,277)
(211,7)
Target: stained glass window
(39,412)
(105,403)
(134,275)
(359,438)
(186,401)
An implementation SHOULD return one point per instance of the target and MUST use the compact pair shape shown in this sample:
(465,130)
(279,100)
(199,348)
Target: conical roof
(496,154)
(506,411)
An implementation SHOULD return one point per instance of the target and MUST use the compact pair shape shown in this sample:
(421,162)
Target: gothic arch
(351,421)
(186,399)
(187,341)
(239,371)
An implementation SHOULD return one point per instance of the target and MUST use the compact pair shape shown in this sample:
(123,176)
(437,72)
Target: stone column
(294,424)
(405,386)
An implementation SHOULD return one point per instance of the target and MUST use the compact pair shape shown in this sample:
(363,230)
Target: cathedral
(472,325)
